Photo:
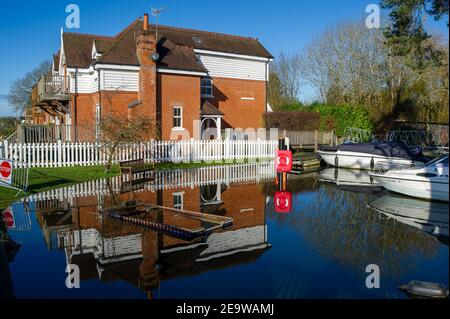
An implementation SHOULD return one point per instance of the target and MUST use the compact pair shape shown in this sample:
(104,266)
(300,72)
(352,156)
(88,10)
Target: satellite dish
(154,56)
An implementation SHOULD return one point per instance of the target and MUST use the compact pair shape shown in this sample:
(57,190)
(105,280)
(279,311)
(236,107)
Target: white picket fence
(84,154)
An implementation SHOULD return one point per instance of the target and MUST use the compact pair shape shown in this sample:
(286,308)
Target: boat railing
(382,167)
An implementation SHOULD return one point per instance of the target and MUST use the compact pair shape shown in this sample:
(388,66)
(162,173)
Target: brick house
(187,81)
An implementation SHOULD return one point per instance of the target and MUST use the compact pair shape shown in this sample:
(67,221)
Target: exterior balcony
(52,94)
(53,88)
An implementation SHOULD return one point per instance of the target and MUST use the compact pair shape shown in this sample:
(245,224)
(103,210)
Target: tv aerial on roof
(156,12)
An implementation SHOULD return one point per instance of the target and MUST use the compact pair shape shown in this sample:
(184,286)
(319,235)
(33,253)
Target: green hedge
(338,118)
(294,121)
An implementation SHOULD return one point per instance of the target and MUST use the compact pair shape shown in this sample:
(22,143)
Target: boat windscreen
(441,159)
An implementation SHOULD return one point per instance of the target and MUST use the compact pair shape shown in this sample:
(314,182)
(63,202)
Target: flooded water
(340,223)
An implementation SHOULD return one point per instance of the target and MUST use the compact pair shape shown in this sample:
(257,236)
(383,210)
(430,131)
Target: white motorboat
(368,155)
(349,179)
(431,217)
(428,181)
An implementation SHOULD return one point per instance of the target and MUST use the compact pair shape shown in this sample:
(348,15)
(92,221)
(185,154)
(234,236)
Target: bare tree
(351,64)
(20,92)
(285,77)
(117,129)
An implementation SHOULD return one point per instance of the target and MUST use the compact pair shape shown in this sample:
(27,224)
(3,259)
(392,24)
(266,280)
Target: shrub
(291,107)
(294,121)
(7,126)
(338,118)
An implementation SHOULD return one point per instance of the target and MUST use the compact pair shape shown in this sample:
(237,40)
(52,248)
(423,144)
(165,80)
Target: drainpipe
(75,105)
(265,98)
(99,99)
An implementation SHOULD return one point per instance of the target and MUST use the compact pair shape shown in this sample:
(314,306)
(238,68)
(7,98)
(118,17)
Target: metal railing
(19,178)
(29,133)
(381,167)
(436,140)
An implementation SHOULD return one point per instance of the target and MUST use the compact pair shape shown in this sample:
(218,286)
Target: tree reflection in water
(340,227)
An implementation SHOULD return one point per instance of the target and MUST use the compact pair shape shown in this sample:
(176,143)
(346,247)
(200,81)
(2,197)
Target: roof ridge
(91,35)
(128,28)
(205,32)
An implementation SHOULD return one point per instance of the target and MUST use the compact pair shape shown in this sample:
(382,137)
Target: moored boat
(428,181)
(368,155)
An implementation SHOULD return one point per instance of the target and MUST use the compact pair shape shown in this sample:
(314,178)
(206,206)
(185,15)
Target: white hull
(425,215)
(365,161)
(425,188)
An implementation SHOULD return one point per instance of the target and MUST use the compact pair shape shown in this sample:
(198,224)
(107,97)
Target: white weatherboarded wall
(87,82)
(123,80)
(232,67)
(114,80)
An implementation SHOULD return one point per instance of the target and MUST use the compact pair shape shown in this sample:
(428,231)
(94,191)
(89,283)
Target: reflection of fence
(309,139)
(71,154)
(170,179)
(428,140)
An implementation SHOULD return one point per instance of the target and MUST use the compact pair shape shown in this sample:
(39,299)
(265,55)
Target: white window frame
(180,117)
(181,204)
(210,87)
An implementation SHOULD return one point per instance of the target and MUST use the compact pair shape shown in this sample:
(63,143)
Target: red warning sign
(5,171)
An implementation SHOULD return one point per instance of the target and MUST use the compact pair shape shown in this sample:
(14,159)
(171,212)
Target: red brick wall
(84,116)
(228,94)
(178,90)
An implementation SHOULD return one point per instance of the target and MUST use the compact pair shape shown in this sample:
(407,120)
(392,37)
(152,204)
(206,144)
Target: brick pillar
(145,46)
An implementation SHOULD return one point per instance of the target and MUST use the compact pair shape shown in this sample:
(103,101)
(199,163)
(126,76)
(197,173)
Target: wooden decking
(305,162)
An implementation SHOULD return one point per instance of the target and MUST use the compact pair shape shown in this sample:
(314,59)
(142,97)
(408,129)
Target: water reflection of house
(111,250)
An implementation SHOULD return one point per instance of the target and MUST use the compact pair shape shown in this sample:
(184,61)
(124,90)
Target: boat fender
(425,289)
(336,162)
(372,164)
(336,174)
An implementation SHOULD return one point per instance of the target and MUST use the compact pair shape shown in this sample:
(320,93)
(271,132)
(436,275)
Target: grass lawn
(43,179)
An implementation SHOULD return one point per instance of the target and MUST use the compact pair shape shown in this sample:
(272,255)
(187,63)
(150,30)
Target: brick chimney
(145,46)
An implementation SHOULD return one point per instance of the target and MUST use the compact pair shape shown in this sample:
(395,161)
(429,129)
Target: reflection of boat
(431,217)
(347,177)
(367,155)
(429,181)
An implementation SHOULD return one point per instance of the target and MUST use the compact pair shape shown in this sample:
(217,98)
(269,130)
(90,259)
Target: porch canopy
(211,117)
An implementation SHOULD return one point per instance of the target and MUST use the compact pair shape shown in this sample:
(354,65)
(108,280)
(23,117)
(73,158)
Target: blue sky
(29,29)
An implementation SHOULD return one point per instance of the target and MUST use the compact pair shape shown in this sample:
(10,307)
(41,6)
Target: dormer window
(206,87)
